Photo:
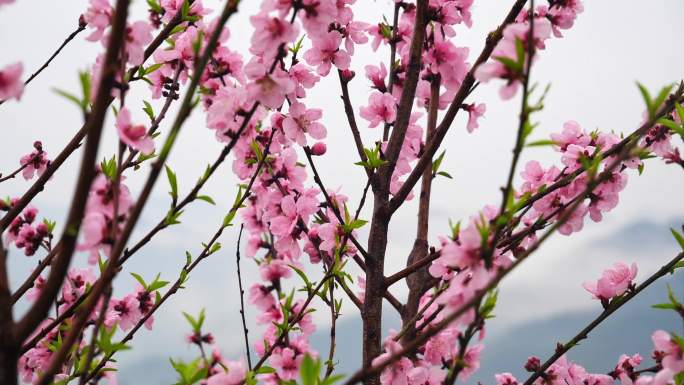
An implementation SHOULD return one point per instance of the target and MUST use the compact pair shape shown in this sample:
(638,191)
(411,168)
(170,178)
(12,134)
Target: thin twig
(242,298)
(614,305)
(81,26)
(75,142)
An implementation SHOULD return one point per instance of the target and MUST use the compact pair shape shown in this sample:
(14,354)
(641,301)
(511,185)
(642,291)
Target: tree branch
(466,88)
(614,305)
(81,26)
(93,128)
(407,96)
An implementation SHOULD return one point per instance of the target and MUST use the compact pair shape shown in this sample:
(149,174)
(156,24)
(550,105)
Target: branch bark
(93,128)
(466,87)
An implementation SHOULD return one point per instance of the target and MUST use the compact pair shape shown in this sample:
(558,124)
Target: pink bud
(318,149)
(533,364)
(348,75)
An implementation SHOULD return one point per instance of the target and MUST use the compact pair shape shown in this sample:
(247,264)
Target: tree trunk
(375,286)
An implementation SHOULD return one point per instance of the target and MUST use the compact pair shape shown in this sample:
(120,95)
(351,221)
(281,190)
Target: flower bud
(318,149)
(348,75)
(533,364)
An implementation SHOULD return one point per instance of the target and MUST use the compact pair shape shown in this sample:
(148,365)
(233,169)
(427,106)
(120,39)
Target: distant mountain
(638,235)
(506,346)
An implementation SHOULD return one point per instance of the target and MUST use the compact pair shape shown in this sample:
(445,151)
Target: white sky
(592,71)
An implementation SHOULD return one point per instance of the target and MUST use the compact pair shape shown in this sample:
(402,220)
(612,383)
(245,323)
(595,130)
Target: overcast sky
(592,72)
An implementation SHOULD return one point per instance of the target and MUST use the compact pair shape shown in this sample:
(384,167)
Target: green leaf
(490,303)
(679,378)
(152,68)
(172,217)
(154,6)
(257,150)
(332,379)
(660,99)
(265,370)
(511,64)
(672,126)
(520,52)
(671,297)
(185,9)
(678,237)
(357,224)
(386,31)
(197,44)
(84,79)
(228,219)
(298,46)
(309,370)
(647,99)
(206,198)
(109,167)
(50,225)
(302,275)
(679,340)
(540,143)
(215,247)
(148,110)
(156,285)
(190,319)
(140,280)
(445,174)
(68,96)
(680,112)
(438,162)
(173,182)
(196,323)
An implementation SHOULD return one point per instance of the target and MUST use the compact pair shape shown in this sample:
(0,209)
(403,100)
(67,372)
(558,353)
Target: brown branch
(614,305)
(111,270)
(458,363)
(242,298)
(407,96)
(93,128)
(190,267)
(349,111)
(330,365)
(172,95)
(302,312)
(9,354)
(317,178)
(81,26)
(410,269)
(466,88)
(519,140)
(75,142)
(420,281)
(393,57)
(30,280)
(90,355)
(624,153)
(59,319)
(178,284)
(331,204)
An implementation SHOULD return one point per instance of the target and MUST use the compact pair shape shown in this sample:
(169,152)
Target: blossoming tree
(256,104)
